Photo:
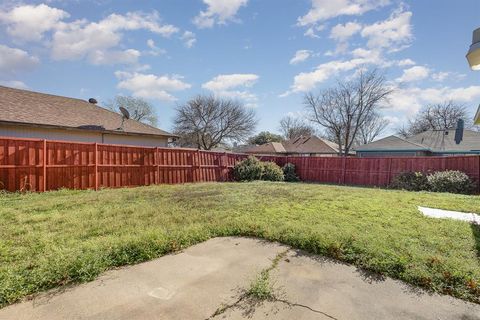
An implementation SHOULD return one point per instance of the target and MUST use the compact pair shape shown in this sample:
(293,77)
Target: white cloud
(444,75)
(218,12)
(229,81)
(189,39)
(81,39)
(392,120)
(411,99)
(234,86)
(414,74)
(151,86)
(342,32)
(13,60)
(405,62)
(326,9)
(394,33)
(300,56)
(155,51)
(14,84)
(129,56)
(29,23)
(97,42)
(311,31)
(440,76)
(307,81)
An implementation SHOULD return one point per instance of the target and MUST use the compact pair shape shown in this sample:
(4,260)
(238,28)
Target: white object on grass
(445,214)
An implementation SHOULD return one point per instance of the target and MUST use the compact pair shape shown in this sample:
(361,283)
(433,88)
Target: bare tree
(139,109)
(374,126)
(437,117)
(343,110)
(206,121)
(293,127)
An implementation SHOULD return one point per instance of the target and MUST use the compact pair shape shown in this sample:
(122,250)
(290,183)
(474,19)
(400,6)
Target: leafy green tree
(264,137)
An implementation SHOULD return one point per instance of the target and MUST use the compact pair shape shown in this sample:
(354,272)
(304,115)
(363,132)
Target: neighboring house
(27,114)
(301,146)
(428,143)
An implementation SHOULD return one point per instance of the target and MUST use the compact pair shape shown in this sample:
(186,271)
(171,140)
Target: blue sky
(266,53)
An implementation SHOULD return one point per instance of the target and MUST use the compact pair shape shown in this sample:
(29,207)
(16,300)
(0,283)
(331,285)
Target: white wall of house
(17,131)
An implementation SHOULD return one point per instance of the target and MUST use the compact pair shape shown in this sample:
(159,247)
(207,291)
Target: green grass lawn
(56,238)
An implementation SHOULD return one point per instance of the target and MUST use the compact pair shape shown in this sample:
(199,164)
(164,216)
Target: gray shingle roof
(28,107)
(431,140)
(444,140)
(391,143)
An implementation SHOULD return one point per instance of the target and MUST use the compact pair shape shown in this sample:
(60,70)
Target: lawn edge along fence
(42,165)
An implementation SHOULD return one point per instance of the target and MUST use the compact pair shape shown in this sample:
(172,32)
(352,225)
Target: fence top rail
(387,158)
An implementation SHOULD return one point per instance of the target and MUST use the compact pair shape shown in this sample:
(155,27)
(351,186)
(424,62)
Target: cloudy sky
(267,53)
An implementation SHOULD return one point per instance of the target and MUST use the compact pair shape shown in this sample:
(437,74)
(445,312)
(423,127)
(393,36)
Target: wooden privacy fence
(41,165)
(378,171)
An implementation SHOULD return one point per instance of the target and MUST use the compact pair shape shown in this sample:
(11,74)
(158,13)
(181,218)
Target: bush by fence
(410,181)
(41,165)
(452,181)
(252,169)
(289,172)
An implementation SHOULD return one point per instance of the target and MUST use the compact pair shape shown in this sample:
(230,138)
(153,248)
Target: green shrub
(249,169)
(411,181)
(450,181)
(272,172)
(289,173)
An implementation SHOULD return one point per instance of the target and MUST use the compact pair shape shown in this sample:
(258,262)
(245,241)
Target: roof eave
(390,150)
(48,126)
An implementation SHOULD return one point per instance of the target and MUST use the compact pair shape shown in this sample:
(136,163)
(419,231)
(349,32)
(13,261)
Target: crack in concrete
(253,302)
(224,309)
(293,304)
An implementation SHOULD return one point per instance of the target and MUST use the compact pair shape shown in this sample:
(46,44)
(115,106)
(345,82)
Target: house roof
(267,148)
(298,145)
(431,140)
(392,143)
(311,144)
(444,140)
(19,106)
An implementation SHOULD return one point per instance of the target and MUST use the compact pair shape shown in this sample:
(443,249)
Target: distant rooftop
(300,145)
(431,140)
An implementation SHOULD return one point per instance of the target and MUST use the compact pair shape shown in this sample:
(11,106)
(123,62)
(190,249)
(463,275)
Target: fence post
(157,163)
(344,170)
(389,173)
(95,156)
(478,176)
(224,167)
(198,171)
(44,165)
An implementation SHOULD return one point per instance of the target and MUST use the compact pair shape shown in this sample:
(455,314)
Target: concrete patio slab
(446,214)
(203,279)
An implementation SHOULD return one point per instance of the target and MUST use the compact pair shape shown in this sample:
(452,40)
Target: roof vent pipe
(92,101)
(459,131)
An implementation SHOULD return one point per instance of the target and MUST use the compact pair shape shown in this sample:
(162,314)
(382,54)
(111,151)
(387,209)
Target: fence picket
(43,165)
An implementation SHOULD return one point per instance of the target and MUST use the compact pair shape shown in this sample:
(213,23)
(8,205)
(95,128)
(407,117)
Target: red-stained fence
(41,165)
(377,171)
